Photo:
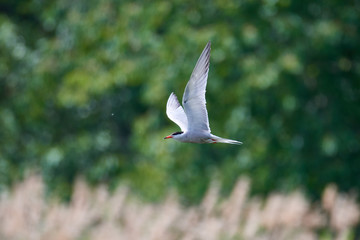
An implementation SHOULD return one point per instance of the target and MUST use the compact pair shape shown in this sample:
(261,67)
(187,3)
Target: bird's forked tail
(216,139)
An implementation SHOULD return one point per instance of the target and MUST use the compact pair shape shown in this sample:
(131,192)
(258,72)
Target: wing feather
(194,101)
(176,113)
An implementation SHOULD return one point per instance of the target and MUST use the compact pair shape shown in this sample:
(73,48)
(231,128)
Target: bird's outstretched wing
(194,96)
(176,113)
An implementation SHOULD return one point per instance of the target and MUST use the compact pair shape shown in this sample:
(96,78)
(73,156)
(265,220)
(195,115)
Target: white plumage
(193,118)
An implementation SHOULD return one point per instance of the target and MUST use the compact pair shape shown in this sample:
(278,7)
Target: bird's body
(202,137)
(193,118)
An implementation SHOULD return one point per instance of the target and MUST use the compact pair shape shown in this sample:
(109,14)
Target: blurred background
(84,84)
(83,90)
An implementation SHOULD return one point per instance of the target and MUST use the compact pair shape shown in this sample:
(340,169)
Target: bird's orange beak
(168,137)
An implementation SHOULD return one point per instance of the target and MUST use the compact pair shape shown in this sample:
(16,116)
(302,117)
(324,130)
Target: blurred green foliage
(83,88)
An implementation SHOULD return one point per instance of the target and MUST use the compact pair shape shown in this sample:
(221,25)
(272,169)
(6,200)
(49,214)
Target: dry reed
(96,214)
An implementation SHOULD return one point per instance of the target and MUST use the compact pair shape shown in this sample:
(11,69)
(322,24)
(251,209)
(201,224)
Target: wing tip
(173,100)
(208,47)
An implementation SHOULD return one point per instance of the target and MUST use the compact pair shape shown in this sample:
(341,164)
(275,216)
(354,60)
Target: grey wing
(176,113)
(194,96)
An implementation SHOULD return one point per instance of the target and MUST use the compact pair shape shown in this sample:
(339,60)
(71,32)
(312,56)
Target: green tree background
(84,84)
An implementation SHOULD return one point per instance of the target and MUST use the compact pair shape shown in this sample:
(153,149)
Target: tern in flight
(193,118)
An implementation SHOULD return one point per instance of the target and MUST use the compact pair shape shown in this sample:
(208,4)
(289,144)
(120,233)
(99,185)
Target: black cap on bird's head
(173,134)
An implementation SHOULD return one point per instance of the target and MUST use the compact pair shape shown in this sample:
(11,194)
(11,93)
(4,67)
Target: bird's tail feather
(224,140)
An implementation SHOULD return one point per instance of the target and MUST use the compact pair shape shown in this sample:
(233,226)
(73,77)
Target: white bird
(193,118)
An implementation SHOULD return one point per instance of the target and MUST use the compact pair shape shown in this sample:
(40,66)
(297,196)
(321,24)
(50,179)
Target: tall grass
(96,214)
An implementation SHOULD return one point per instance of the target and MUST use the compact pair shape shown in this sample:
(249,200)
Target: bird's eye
(177,133)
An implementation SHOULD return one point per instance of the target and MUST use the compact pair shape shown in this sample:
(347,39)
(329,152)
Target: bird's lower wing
(176,113)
